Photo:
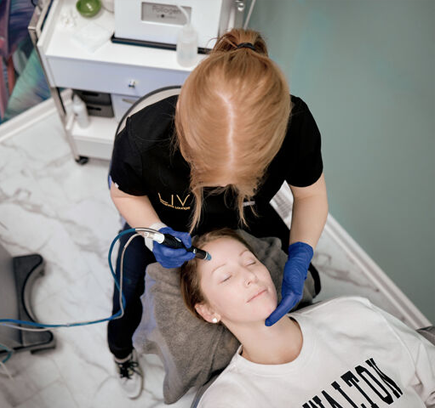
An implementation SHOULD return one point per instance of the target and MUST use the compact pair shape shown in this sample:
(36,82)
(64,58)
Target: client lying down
(343,352)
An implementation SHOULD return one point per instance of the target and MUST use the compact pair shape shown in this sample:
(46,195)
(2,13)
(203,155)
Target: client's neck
(277,344)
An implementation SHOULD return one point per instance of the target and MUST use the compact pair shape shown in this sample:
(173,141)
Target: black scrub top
(145,162)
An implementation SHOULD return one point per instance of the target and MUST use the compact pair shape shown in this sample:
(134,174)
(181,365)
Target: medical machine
(157,23)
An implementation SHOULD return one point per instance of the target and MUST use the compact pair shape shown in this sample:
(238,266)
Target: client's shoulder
(338,306)
(227,391)
(342,317)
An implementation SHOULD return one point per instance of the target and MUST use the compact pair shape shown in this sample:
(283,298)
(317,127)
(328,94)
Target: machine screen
(164,13)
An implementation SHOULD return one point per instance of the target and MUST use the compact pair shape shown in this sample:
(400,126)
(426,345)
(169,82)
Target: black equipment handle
(173,242)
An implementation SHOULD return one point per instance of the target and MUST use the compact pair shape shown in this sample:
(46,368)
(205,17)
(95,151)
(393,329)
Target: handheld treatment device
(173,242)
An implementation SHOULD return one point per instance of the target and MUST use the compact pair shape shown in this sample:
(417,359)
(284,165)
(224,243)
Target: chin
(268,309)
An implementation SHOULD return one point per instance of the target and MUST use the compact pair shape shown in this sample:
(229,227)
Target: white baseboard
(31,116)
(26,119)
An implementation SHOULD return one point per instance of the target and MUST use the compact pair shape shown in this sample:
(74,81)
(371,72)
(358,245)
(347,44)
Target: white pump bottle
(187,43)
(80,112)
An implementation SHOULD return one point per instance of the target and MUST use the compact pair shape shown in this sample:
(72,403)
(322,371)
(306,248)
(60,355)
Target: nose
(249,277)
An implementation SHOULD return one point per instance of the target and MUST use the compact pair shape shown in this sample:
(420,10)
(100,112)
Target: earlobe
(206,312)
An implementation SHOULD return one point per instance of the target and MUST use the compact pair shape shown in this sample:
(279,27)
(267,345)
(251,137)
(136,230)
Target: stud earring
(214,320)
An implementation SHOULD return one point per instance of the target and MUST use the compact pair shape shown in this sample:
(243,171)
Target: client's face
(236,284)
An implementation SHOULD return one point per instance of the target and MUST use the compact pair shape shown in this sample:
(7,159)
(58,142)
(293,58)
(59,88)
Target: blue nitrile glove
(169,257)
(295,273)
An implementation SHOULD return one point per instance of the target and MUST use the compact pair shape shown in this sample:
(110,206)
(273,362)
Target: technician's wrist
(156,226)
(301,249)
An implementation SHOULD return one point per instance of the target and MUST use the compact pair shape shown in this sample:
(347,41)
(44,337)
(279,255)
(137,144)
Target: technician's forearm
(309,218)
(137,210)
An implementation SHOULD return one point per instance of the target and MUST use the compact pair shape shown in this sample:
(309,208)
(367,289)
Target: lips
(256,295)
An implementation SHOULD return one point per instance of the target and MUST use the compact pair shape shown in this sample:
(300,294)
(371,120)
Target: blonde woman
(214,157)
(340,353)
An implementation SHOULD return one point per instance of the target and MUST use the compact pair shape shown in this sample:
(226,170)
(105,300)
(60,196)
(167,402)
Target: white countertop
(59,41)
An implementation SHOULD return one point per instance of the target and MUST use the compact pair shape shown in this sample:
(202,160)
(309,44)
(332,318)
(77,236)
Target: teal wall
(367,71)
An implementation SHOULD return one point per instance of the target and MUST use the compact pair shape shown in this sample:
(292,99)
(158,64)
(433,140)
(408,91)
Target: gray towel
(191,349)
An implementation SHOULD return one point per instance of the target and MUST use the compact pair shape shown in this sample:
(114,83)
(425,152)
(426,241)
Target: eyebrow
(220,266)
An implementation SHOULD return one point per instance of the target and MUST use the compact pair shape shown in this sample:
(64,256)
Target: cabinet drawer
(121,104)
(111,78)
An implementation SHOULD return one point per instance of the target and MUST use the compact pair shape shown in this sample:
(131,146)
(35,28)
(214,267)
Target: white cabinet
(127,72)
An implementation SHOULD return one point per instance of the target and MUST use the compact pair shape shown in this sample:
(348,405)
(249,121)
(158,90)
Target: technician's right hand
(169,257)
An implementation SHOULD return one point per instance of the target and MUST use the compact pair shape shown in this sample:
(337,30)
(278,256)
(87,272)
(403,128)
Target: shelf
(96,140)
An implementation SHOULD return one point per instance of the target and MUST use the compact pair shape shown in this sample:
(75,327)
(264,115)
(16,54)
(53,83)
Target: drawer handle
(132,84)
(130,101)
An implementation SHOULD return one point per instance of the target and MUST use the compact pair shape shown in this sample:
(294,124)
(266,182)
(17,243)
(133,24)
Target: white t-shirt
(353,355)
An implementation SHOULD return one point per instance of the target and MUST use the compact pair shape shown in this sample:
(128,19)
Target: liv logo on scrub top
(175,201)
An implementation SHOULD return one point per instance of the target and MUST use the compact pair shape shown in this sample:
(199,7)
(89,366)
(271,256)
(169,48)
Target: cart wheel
(82,160)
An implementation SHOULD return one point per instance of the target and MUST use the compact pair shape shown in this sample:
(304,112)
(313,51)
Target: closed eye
(226,278)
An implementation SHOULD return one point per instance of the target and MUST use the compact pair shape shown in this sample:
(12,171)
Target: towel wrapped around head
(192,350)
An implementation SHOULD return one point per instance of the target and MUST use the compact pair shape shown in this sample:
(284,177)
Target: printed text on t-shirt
(385,390)
(175,201)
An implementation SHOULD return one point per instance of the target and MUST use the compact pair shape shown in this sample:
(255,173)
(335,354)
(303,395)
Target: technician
(213,157)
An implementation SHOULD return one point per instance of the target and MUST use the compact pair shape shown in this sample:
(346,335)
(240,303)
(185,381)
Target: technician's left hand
(170,257)
(295,273)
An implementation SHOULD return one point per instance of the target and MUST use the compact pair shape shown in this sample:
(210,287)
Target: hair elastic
(246,45)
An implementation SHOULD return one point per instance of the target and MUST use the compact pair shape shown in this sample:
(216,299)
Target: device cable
(161,238)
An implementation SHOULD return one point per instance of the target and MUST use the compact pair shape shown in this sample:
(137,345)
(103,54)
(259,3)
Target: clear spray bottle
(187,43)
